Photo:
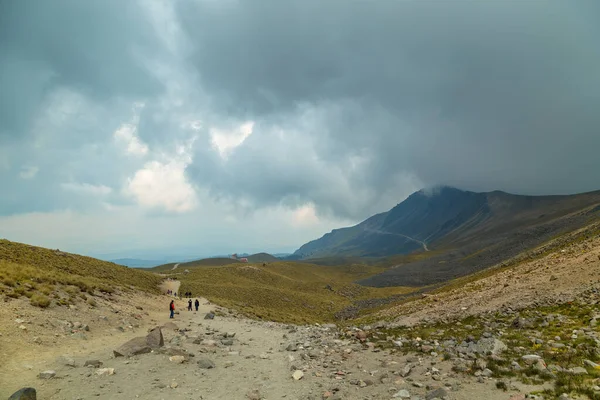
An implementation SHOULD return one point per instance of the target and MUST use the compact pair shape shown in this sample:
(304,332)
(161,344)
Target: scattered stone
(177,359)
(93,363)
(205,363)
(579,371)
(68,361)
(491,346)
(531,359)
(253,395)
(405,371)
(47,374)
(173,385)
(209,316)
(436,394)
(297,375)
(402,394)
(591,364)
(227,342)
(105,371)
(27,393)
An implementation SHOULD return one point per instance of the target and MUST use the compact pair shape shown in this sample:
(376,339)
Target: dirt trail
(254,364)
(422,243)
(170,285)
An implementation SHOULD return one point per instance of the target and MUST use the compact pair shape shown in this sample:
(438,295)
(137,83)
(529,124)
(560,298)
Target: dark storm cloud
(355,104)
(90,46)
(482,95)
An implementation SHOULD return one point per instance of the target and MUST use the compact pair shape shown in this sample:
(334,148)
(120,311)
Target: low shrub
(39,300)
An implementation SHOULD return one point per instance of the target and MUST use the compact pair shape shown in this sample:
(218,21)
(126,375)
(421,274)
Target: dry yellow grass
(37,273)
(284,291)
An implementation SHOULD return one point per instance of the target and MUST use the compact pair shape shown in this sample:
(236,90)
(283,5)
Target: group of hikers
(172,306)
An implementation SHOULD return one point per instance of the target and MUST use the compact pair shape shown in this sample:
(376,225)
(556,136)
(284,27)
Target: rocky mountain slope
(447,217)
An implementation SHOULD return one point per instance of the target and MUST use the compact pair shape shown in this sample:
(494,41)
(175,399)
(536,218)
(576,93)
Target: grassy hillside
(284,291)
(205,262)
(262,258)
(39,273)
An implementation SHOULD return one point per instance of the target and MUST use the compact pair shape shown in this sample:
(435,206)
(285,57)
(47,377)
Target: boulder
(155,339)
(27,393)
(133,347)
(209,316)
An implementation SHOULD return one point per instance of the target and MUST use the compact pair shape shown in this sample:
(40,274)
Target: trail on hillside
(226,357)
(175,267)
(422,243)
(170,285)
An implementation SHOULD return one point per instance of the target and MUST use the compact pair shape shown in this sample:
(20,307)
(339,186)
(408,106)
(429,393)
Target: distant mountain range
(450,224)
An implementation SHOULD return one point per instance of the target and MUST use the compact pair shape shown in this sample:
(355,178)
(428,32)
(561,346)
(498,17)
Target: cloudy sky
(214,126)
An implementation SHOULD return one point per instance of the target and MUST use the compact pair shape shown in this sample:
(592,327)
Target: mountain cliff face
(446,217)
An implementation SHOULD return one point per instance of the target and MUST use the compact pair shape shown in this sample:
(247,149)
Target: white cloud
(164,185)
(126,136)
(87,189)
(305,216)
(28,172)
(227,140)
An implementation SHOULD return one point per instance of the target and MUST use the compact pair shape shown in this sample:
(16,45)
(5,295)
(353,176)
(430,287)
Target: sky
(196,127)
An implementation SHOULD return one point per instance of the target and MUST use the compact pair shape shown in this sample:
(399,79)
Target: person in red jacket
(172,308)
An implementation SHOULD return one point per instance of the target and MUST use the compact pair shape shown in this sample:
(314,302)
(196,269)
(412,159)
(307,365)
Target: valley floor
(257,363)
(438,347)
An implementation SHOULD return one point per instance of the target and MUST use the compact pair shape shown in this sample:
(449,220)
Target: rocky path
(223,356)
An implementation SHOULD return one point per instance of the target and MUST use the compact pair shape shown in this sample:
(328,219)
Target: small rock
(437,393)
(579,371)
(47,374)
(253,395)
(68,361)
(93,363)
(531,359)
(402,394)
(205,363)
(173,385)
(297,375)
(105,371)
(177,359)
(591,364)
(209,316)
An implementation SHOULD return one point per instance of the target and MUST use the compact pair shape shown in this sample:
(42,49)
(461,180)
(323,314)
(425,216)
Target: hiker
(190,305)
(172,308)
(197,304)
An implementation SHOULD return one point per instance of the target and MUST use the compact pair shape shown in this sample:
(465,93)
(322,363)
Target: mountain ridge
(441,218)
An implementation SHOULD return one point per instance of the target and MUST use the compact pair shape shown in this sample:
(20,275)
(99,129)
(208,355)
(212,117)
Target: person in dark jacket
(197,304)
(190,305)
(172,308)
